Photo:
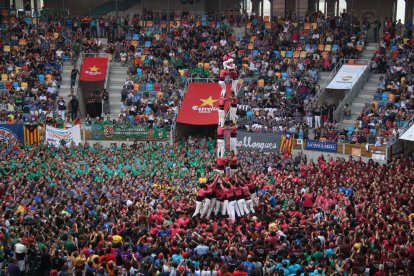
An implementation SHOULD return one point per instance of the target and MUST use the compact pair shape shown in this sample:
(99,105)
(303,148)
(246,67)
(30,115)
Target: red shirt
(221,193)
(202,192)
(238,191)
(239,273)
(308,200)
(245,190)
(233,132)
(221,162)
(234,161)
(229,193)
(222,101)
(220,132)
(234,102)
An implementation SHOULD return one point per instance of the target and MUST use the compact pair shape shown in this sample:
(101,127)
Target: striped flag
(286,144)
(31,135)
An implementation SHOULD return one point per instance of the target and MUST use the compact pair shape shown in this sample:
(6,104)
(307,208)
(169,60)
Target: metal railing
(406,126)
(326,82)
(78,66)
(338,113)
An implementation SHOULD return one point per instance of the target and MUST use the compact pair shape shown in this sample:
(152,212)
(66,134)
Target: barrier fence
(366,150)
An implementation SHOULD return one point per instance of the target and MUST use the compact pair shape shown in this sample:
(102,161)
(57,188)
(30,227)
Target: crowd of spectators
(31,67)
(287,69)
(125,209)
(393,105)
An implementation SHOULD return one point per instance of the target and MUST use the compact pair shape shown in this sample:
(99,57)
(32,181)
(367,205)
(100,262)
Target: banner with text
(124,132)
(261,142)
(347,76)
(59,137)
(93,69)
(321,146)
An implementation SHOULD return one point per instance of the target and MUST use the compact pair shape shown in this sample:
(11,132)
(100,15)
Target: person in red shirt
(233,138)
(231,198)
(220,142)
(221,200)
(233,107)
(210,200)
(247,198)
(221,111)
(221,164)
(240,202)
(201,195)
(233,163)
(240,271)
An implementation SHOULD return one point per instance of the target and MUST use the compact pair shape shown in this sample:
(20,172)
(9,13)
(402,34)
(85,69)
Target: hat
(161,255)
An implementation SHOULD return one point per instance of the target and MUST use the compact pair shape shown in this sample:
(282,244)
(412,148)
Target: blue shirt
(201,249)
(249,267)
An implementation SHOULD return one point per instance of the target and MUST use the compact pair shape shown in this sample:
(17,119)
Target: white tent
(409,134)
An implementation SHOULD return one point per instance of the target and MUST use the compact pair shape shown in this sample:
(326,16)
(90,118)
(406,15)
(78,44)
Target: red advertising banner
(200,105)
(93,69)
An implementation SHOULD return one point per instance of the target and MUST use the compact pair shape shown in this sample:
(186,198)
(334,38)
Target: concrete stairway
(365,96)
(368,51)
(322,80)
(64,90)
(117,78)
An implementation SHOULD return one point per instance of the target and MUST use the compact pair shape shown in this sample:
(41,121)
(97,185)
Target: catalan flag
(286,144)
(31,134)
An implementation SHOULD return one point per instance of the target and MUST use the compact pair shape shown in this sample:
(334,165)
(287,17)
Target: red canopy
(200,105)
(93,69)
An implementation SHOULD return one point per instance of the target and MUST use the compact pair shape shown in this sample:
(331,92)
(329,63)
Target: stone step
(359,105)
(348,122)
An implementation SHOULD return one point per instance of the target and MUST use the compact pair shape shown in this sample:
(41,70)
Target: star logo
(94,69)
(208,102)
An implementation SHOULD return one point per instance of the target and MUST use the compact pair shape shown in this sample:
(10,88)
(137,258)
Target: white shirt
(20,248)
(59,53)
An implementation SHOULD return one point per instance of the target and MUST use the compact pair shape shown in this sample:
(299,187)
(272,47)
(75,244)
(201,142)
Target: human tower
(228,193)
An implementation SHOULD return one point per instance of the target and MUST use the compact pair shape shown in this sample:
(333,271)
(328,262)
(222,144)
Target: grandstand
(192,137)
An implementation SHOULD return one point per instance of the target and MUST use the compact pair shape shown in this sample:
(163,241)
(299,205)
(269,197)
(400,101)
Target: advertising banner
(321,146)
(93,69)
(347,76)
(120,132)
(11,133)
(260,142)
(58,137)
(200,104)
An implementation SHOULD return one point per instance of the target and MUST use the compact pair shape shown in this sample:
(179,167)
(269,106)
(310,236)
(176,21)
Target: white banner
(56,136)
(347,76)
(409,134)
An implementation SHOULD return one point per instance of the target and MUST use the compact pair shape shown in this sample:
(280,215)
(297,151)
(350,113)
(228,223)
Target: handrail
(78,66)
(326,82)
(394,137)
(173,132)
(352,93)
(108,64)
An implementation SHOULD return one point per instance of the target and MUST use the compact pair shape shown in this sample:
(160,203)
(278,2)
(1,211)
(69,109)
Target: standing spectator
(45,262)
(74,107)
(309,116)
(105,99)
(73,76)
(20,251)
(377,26)
(317,112)
(347,112)
(13,269)
(62,108)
